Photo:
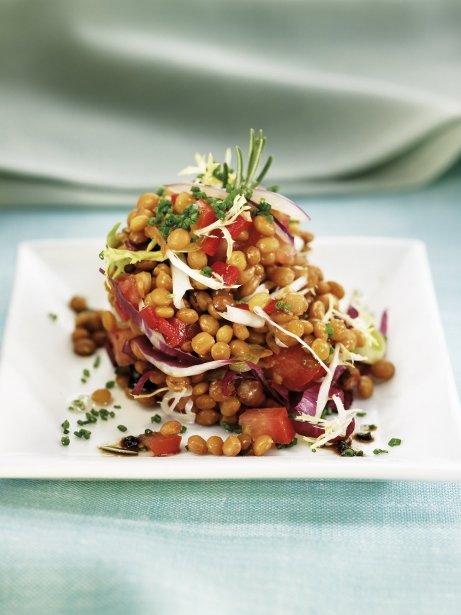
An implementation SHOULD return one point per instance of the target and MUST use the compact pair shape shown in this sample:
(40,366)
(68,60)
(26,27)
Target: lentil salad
(218,314)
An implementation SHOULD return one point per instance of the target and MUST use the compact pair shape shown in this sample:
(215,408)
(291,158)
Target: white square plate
(39,375)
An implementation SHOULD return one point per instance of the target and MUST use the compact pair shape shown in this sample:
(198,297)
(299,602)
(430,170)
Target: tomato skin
(229,273)
(173,330)
(161,445)
(273,422)
(294,367)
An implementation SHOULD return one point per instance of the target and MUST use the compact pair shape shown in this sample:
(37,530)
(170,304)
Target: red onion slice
(155,337)
(277,201)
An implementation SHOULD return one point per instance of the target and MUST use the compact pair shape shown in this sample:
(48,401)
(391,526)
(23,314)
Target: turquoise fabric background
(258,547)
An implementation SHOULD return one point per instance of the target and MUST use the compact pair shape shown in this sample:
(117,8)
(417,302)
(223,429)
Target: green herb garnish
(65,441)
(97,362)
(77,405)
(283,306)
(263,209)
(207,271)
(231,428)
(394,442)
(110,384)
(83,433)
(166,220)
(52,316)
(156,418)
(379,451)
(329,330)
(294,442)
(345,450)
(255,150)
(122,427)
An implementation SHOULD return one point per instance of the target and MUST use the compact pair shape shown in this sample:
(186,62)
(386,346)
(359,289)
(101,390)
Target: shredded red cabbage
(307,404)
(138,387)
(155,337)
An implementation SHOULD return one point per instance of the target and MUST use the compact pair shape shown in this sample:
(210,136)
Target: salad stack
(218,315)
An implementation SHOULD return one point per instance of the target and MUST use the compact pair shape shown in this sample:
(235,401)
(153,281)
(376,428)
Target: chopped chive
(294,442)
(148,431)
(206,271)
(183,429)
(86,373)
(52,316)
(110,384)
(231,428)
(379,451)
(83,433)
(117,406)
(361,413)
(122,427)
(156,418)
(394,442)
(97,362)
(65,441)
(283,305)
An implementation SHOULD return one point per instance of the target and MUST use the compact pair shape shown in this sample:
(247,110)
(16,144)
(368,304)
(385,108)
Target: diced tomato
(229,273)
(210,244)
(238,227)
(270,307)
(293,367)
(129,289)
(161,445)
(173,330)
(273,422)
(118,338)
(253,237)
(206,215)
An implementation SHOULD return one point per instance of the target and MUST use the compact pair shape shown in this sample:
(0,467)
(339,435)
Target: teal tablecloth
(204,547)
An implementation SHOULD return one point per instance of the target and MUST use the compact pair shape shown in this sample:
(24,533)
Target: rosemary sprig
(255,150)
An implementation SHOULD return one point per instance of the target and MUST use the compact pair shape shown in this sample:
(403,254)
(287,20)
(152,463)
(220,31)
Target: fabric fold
(97,105)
